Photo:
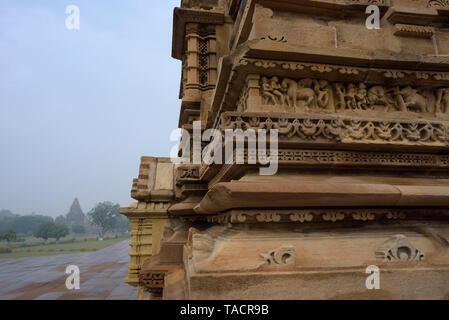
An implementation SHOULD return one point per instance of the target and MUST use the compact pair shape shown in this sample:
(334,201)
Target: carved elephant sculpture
(413,100)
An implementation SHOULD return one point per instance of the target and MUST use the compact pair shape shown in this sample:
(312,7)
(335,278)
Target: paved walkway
(43,278)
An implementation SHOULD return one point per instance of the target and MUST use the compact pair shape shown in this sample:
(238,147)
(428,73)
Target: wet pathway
(101,276)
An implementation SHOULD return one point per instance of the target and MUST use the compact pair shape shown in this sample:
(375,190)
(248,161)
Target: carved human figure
(295,93)
(413,100)
(267,91)
(277,89)
(323,92)
(398,98)
(442,103)
(350,97)
(361,97)
(340,91)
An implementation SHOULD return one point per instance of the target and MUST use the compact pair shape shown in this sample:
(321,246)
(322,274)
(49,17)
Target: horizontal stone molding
(316,129)
(325,215)
(226,196)
(361,158)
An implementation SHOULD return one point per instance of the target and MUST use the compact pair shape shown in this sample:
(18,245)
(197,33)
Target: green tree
(52,230)
(28,225)
(104,215)
(45,230)
(9,236)
(59,231)
(78,229)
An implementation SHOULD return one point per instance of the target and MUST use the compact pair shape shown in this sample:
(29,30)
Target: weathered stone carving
(203,245)
(188,173)
(364,215)
(317,215)
(268,217)
(153,282)
(345,129)
(407,30)
(333,216)
(442,104)
(301,217)
(284,256)
(362,158)
(271,91)
(438,4)
(312,94)
(398,249)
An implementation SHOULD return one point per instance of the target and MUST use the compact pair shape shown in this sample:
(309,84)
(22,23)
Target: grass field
(71,244)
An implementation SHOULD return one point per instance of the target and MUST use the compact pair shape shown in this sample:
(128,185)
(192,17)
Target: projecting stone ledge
(229,195)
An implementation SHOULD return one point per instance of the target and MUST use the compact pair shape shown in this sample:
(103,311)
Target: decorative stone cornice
(310,158)
(429,16)
(405,193)
(353,73)
(408,30)
(155,181)
(146,209)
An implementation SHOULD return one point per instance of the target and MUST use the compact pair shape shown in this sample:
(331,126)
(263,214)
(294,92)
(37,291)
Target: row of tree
(23,225)
(104,216)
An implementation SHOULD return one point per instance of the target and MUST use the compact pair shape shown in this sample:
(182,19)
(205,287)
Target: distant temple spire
(75,215)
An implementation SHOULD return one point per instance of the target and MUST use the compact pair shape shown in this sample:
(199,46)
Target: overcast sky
(79,107)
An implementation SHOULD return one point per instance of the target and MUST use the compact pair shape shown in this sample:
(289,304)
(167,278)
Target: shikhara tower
(363,179)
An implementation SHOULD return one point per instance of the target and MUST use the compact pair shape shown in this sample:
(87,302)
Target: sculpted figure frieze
(307,95)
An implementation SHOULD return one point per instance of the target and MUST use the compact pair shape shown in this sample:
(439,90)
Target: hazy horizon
(78,108)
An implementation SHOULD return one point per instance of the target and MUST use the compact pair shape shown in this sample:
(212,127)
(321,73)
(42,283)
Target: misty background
(79,107)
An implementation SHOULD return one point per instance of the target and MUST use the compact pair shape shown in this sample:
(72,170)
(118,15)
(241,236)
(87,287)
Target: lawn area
(72,244)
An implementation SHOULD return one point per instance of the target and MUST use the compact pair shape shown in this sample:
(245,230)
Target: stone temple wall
(362,118)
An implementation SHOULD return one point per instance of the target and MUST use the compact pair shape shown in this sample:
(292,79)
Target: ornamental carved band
(343,129)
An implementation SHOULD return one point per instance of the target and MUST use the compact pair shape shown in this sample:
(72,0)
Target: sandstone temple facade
(362,117)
